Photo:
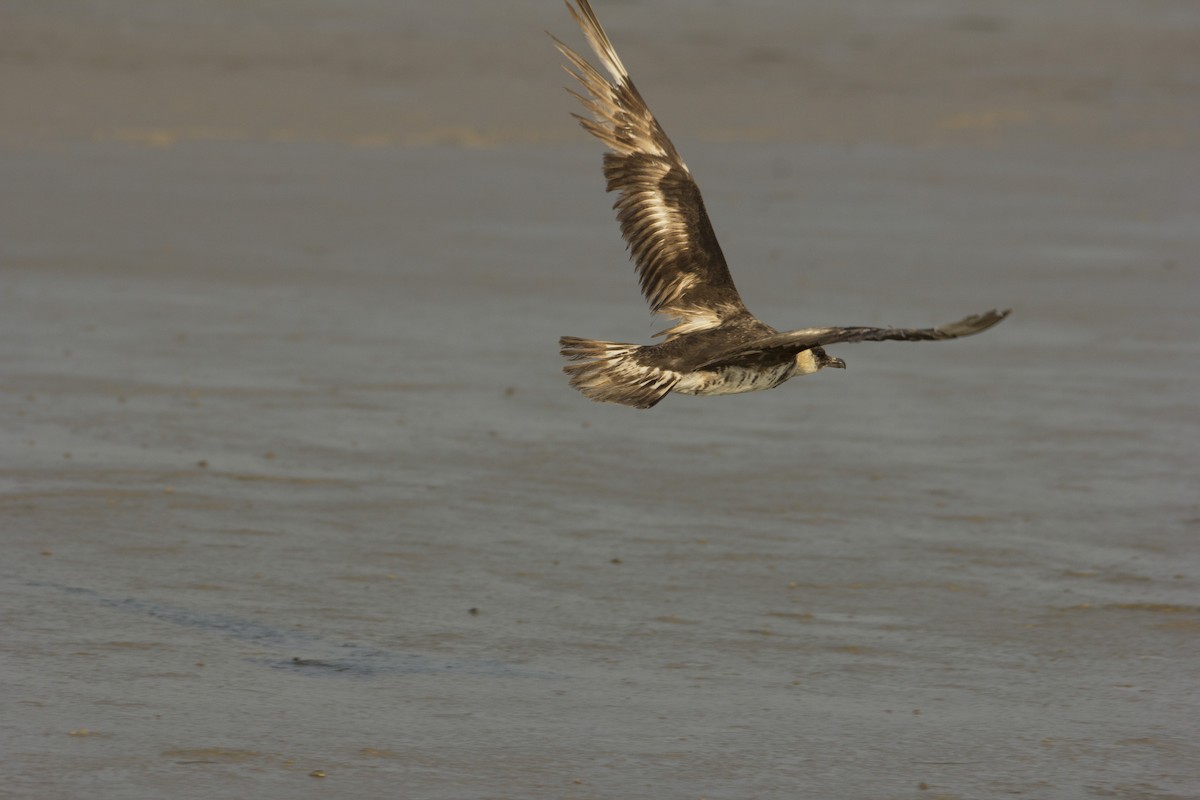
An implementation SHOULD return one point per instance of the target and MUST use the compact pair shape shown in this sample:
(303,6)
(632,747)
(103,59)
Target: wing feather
(679,262)
(797,341)
(612,372)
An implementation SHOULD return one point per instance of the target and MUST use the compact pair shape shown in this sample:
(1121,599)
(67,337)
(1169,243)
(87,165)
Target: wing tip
(976,323)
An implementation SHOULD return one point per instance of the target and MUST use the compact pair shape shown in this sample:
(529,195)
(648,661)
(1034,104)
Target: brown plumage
(716,346)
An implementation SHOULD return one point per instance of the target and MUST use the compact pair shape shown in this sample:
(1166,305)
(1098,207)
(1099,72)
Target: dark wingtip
(994,317)
(976,323)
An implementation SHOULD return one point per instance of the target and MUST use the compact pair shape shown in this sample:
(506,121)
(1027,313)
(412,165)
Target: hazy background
(291,484)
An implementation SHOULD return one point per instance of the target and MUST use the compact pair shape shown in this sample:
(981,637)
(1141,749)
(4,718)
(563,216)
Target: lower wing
(806,338)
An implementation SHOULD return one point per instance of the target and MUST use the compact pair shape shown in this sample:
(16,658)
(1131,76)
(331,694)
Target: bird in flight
(716,346)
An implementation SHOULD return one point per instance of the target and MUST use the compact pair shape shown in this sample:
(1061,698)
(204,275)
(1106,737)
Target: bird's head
(811,360)
(829,361)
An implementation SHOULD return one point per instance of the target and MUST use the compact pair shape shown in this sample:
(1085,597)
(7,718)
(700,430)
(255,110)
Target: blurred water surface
(291,483)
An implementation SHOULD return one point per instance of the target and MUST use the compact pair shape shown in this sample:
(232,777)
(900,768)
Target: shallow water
(291,481)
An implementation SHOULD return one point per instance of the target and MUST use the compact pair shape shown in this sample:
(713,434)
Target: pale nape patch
(806,363)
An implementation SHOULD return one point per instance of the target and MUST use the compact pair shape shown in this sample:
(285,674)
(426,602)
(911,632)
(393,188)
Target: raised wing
(679,262)
(807,338)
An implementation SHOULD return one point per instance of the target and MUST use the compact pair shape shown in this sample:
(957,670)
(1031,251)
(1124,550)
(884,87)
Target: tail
(610,372)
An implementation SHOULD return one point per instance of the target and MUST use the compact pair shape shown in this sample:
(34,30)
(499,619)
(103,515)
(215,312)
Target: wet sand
(292,485)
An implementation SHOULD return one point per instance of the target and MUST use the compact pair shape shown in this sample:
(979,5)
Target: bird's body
(717,346)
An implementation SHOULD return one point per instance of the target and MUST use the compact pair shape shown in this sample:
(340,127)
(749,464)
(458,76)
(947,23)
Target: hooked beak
(837,363)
